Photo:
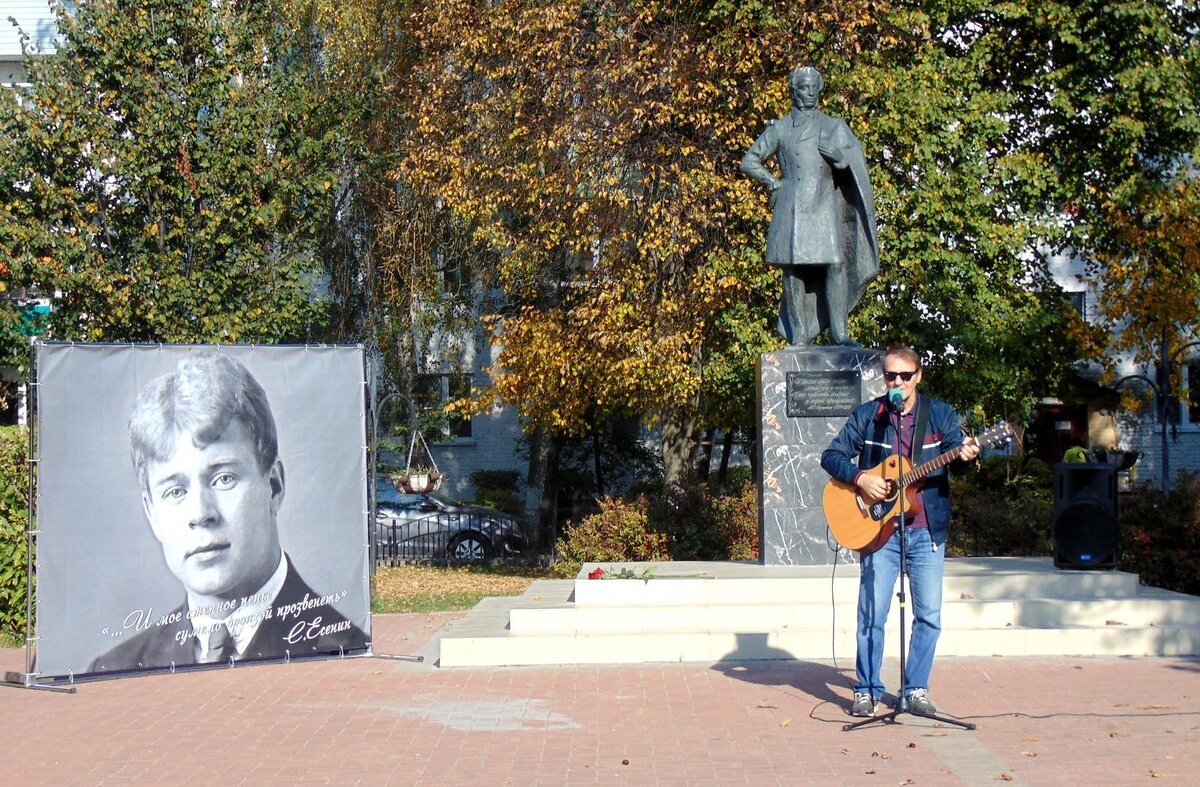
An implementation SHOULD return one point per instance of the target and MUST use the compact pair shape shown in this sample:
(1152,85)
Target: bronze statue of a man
(822,232)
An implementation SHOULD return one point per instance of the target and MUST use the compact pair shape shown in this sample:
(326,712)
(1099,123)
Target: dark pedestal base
(804,396)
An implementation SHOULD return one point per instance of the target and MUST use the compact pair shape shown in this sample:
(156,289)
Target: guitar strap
(919,428)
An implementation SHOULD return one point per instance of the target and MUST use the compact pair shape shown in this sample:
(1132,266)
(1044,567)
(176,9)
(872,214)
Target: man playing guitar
(929,428)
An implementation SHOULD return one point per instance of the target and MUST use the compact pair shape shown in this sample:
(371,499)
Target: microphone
(895,399)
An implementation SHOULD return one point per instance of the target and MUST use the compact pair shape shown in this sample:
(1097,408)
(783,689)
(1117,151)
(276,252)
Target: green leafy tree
(168,175)
(1003,132)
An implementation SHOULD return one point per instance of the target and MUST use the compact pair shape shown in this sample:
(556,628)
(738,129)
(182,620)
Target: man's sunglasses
(905,376)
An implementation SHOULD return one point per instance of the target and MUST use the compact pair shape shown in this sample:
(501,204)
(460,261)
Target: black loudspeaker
(1085,516)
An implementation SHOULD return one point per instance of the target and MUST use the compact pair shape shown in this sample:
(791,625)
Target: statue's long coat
(850,212)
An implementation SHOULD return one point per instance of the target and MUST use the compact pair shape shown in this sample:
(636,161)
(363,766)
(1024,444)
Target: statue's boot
(838,298)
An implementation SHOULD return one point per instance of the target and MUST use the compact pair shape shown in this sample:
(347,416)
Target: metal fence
(446,537)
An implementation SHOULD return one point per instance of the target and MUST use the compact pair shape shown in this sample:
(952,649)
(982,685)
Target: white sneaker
(864,704)
(919,703)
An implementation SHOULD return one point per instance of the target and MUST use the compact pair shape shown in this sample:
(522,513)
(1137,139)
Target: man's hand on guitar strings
(873,487)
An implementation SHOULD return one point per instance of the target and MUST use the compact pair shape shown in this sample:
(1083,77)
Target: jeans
(876,587)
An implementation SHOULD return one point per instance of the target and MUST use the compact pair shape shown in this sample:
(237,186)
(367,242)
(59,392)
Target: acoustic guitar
(866,527)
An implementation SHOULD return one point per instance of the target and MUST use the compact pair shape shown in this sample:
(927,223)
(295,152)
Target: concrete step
(690,583)
(712,612)
(712,647)
(956,614)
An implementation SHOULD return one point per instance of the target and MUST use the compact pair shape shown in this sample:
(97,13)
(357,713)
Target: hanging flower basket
(420,482)
(418,477)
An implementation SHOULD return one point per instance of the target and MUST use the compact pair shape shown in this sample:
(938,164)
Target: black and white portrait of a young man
(257,521)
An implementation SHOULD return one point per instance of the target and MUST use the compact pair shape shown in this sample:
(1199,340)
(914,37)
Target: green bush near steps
(1160,535)
(14,524)
(1003,506)
(1006,507)
(620,532)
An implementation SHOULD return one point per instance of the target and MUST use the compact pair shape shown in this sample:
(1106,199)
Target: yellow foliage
(592,150)
(1150,280)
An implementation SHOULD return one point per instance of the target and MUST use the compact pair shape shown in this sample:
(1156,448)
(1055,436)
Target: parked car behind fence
(434,527)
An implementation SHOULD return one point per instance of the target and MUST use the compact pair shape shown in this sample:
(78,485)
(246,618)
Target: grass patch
(445,588)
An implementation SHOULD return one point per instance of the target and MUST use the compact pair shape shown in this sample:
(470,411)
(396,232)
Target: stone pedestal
(804,396)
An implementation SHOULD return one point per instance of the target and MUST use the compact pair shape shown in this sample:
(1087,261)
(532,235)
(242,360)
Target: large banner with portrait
(199,506)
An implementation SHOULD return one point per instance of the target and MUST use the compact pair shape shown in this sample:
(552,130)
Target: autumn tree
(596,148)
(1149,273)
(167,175)
(583,160)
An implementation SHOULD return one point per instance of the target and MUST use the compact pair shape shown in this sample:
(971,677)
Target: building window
(1077,301)
(454,274)
(1191,381)
(434,392)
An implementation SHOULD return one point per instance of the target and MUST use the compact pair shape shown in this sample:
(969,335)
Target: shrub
(1160,535)
(620,532)
(702,525)
(499,489)
(738,476)
(737,519)
(681,523)
(684,516)
(1003,507)
(14,523)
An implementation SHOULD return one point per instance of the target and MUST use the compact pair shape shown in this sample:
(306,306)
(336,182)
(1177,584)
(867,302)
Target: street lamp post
(1160,407)
(373,457)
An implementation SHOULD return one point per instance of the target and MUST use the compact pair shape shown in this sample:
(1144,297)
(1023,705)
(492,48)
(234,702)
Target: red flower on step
(596,573)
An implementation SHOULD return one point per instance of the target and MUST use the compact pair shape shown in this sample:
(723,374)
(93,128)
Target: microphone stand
(902,706)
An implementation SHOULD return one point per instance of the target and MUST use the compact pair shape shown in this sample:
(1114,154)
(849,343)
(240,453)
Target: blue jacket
(870,436)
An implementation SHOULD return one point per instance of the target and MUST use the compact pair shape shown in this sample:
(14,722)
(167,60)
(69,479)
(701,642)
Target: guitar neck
(920,471)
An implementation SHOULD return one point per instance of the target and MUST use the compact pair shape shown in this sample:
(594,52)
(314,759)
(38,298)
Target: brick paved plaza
(1041,721)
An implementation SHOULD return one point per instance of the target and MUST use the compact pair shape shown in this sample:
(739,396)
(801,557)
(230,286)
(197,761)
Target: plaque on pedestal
(804,396)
